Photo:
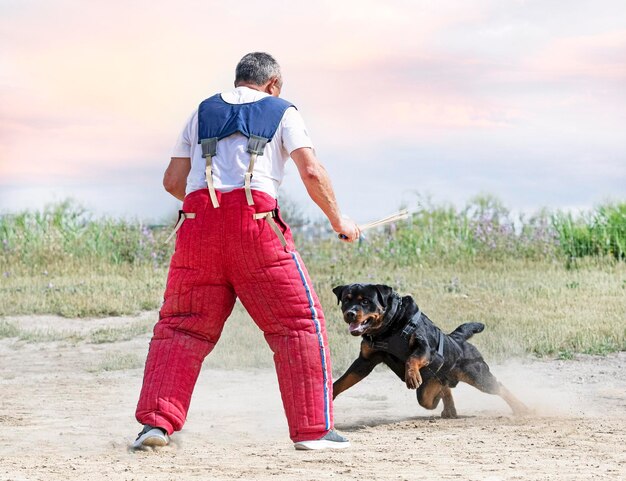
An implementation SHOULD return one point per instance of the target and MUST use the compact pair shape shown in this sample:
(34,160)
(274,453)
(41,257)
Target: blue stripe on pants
(318,330)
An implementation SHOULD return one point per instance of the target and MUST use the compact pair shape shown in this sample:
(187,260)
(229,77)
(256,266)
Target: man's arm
(320,189)
(175,177)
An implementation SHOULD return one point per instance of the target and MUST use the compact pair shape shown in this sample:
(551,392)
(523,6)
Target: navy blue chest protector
(219,119)
(258,121)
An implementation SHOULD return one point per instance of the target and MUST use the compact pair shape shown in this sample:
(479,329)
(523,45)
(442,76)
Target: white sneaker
(331,440)
(151,437)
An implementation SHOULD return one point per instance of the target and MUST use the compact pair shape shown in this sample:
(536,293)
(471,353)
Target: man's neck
(251,86)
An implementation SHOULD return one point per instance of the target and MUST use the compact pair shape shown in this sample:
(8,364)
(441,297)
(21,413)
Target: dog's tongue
(355,327)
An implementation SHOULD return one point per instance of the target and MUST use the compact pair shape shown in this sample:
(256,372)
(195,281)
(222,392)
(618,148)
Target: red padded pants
(220,255)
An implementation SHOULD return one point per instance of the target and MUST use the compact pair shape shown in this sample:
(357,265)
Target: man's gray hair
(256,68)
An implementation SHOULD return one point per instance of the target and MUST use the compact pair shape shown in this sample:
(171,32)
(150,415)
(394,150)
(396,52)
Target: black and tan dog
(396,333)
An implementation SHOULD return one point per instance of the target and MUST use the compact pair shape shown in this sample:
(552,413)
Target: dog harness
(397,344)
(258,121)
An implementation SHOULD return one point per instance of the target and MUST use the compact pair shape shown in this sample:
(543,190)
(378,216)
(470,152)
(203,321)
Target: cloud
(482,93)
(112,83)
(600,56)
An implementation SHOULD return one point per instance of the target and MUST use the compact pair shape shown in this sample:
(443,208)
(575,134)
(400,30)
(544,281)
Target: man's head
(261,71)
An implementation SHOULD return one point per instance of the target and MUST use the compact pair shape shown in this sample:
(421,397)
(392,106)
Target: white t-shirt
(232,160)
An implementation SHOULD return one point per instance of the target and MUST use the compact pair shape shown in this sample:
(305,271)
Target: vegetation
(65,232)
(485,231)
(117,361)
(553,283)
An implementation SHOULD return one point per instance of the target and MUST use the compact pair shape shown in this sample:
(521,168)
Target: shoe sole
(320,444)
(151,442)
(154,442)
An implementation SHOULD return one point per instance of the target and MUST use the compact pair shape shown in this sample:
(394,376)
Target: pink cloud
(412,97)
(598,56)
(112,83)
(105,85)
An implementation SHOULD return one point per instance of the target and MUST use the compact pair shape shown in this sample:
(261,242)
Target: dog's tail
(467,330)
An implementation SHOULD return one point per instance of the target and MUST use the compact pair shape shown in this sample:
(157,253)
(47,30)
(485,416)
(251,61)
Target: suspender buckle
(182,216)
(256,144)
(209,147)
(269,218)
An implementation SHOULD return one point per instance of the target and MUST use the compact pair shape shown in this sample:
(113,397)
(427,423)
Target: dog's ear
(339,292)
(384,292)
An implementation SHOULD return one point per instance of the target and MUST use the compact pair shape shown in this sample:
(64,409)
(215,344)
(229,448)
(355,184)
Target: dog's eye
(365,302)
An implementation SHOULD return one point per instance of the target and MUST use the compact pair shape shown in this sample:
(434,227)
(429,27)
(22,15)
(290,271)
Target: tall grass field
(548,284)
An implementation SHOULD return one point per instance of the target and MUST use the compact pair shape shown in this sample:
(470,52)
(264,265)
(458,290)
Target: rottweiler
(397,333)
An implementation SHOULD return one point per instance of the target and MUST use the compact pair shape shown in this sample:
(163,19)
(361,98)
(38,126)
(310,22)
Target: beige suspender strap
(269,217)
(209,181)
(209,149)
(248,179)
(182,216)
(274,226)
(262,215)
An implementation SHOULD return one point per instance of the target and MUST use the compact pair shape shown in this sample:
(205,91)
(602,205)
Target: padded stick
(403,214)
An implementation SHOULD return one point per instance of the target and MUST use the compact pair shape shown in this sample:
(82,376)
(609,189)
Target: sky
(405,100)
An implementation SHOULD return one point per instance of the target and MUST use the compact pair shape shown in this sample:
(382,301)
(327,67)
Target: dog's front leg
(357,371)
(419,357)
(413,377)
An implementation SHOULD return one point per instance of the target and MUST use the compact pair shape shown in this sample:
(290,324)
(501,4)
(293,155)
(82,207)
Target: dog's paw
(521,410)
(413,379)
(449,413)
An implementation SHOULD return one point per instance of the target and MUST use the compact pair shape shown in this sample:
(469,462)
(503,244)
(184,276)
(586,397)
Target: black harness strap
(441,343)
(393,309)
(436,359)
(411,326)
(380,345)
(398,345)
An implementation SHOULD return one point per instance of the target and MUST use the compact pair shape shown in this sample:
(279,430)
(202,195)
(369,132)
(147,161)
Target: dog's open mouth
(357,328)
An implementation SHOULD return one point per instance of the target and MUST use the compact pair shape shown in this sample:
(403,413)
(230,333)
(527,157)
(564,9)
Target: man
(231,242)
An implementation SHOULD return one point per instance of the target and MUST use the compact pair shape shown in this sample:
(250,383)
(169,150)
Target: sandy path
(58,421)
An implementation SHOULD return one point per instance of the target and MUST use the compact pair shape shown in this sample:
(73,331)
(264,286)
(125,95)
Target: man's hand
(348,229)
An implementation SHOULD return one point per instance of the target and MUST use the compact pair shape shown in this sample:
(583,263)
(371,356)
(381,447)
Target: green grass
(75,288)
(601,232)
(527,307)
(117,362)
(66,232)
(118,334)
(100,335)
(551,284)
(8,329)
(13,330)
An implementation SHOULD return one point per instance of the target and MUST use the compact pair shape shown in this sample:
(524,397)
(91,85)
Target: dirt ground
(63,418)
